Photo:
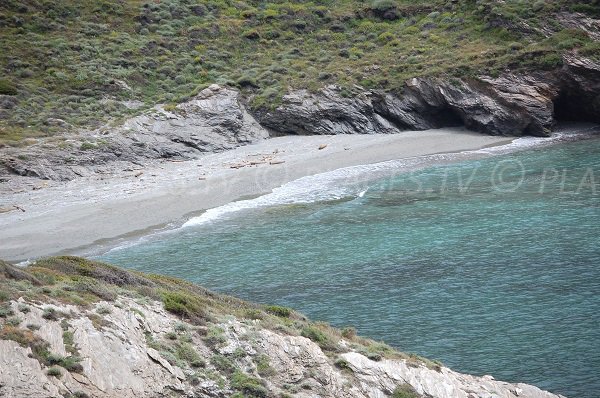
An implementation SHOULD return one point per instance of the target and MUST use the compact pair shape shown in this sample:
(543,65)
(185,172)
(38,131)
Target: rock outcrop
(116,343)
(510,105)
(214,120)
(217,118)
(71,327)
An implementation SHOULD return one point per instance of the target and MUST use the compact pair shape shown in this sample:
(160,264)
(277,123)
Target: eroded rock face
(580,90)
(327,112)
(217,119)
(121,347)
(510,105)
(213,121)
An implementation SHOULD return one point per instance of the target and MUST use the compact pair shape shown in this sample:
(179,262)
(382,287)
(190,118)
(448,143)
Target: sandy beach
(72,217)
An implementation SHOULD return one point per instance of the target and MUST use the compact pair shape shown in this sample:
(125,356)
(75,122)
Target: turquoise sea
(490,264)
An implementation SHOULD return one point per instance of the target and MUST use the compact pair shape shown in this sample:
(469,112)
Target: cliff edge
(76,328)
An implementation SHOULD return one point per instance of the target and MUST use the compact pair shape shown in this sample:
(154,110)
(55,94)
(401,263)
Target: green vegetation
(283,312)
(319,334)
(405,391)
(263,367)
(82,60)
(54,371)
(248,386)
(70,363)
(186,352)
(342,364)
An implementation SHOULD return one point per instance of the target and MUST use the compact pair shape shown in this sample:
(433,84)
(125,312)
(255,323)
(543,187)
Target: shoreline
(100,211)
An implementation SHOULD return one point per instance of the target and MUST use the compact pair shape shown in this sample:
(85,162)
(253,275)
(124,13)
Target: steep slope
(72,64)
(76,328)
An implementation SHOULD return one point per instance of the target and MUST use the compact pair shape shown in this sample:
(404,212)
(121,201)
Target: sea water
(490,265)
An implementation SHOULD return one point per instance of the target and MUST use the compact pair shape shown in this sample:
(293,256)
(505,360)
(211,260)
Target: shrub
(280,311)
(383,5)
(54,371)
(187,353)
(349,333)
(103,310)
(87,146)
(342,364)
(14,321)
(263,366)
(385,37)
(550,61)
(183,304)
(25,338)
(6,311)
(251,34)
(4,296)
(386,9)
(247,385)
(405,391)
(50,314)
(318,336)
(246,81)
(7,87)
(24,308)
(215,336)
(223,364)
(71,363)
(180,327)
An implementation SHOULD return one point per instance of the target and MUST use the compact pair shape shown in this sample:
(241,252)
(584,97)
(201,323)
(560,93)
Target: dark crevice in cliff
(575,107)
(446,117)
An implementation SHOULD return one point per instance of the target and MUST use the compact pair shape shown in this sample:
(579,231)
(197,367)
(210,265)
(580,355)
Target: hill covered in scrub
(70,327)
(72,64)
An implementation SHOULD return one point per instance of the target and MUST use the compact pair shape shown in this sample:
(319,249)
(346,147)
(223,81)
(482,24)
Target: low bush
(51,314)
(7,87)
(341,363)
(186,352)
(6,311)
(405,391)
(279,311)
(249,386)
(183,304)
(54,371)
(223,364)
(215,336)
(319,336)
(263,366)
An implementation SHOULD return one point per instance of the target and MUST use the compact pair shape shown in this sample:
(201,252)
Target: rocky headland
(78,328)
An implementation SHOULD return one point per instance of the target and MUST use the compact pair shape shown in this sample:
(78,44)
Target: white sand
(67,218)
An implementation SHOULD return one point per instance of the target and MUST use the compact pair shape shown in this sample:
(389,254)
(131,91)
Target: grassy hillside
(84,61)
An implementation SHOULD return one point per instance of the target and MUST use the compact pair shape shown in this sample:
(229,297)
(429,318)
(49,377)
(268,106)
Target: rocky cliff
(75,328)
(218,119)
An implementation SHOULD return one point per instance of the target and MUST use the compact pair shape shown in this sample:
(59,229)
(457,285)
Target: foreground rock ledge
(131,346)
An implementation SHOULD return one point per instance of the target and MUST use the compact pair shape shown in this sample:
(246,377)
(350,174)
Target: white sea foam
(333,185)
(352,181)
